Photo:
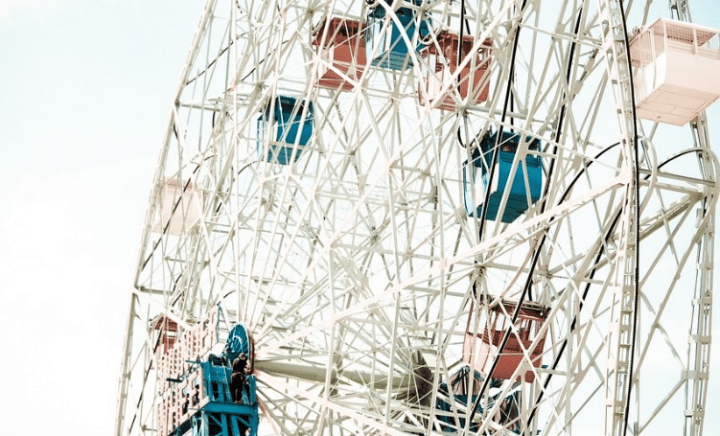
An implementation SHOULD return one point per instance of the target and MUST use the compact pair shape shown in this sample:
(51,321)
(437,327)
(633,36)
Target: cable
(561,117)
(508,91)
(610,230)
(543,204)
(458,61)
(498,136)
(636,182)
(592,270)
(587,287)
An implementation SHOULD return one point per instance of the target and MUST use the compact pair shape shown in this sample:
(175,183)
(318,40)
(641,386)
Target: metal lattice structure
(353,209)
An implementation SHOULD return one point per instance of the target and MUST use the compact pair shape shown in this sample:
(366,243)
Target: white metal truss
(619,370)
(358,268)
(698,354)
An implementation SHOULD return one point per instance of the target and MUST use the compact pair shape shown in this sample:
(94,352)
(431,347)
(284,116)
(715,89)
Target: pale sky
(85,91)
(86,87)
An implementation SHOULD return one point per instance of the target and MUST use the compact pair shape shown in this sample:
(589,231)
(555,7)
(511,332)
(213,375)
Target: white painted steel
(356,266)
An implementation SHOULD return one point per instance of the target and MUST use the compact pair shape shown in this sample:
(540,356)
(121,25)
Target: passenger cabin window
(509,146)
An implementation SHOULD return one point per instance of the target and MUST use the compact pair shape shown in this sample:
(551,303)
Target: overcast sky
(85,91)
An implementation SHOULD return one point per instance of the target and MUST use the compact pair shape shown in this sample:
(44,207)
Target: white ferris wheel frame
(355,266)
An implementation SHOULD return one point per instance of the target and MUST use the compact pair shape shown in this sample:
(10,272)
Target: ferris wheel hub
(240,342)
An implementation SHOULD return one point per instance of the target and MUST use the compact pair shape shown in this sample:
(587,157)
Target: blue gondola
(290,125)
(478,170)
(384,35)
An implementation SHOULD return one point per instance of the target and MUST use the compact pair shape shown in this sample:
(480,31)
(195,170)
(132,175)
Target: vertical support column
(700,331)
(621,335)
(698,363)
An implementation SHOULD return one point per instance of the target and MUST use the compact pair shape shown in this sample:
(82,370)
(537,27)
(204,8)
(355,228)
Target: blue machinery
(215,398)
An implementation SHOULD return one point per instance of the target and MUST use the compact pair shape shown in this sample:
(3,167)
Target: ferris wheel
(430,217)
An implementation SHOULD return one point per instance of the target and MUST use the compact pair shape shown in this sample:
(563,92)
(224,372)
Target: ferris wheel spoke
(314,400)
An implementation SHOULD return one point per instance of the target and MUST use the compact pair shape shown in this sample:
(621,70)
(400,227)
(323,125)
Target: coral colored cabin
(480,348)
(442,60)
(340,44)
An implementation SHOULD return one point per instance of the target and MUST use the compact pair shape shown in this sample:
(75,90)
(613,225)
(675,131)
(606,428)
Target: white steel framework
(358,268)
